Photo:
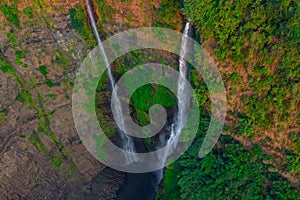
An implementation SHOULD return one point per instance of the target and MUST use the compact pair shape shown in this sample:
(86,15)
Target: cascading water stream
(127,142)
(182,96)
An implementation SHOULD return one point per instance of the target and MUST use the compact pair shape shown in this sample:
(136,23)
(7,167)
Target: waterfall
(127,141)
(182,96)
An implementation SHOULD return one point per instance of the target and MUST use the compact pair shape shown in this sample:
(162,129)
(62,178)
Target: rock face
(41,155)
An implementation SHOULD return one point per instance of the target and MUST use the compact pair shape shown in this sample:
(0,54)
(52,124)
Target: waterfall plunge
(182,95)
(127,142)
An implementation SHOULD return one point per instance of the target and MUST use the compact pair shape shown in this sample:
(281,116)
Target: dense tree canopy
(258,43)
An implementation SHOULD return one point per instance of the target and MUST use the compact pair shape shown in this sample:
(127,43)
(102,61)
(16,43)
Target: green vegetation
(148,95)
(44,128)
(22,136)
(6,68)
(105,11)
(252,36)
(167,15)
(2,115)
(170,184)
(43,70)
(26,85)
(143,98)
(27,12)
(24,95)
(61,59)
(11,13)
(77,19)
(256,43)
(37,182)
(2,118)
(19,55)
(261,45)
(36,141)
(56,162)
(103,121)
(12,37)
(260,38)
(79,23)
(229,172)
(49,83)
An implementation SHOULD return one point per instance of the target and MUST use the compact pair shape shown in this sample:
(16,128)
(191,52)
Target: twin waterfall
(183,99)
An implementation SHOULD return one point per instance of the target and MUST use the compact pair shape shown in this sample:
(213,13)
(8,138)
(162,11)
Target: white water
(182,96)
(127,142)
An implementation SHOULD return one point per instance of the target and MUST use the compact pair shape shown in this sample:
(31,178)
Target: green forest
(261,38)
(255,45)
